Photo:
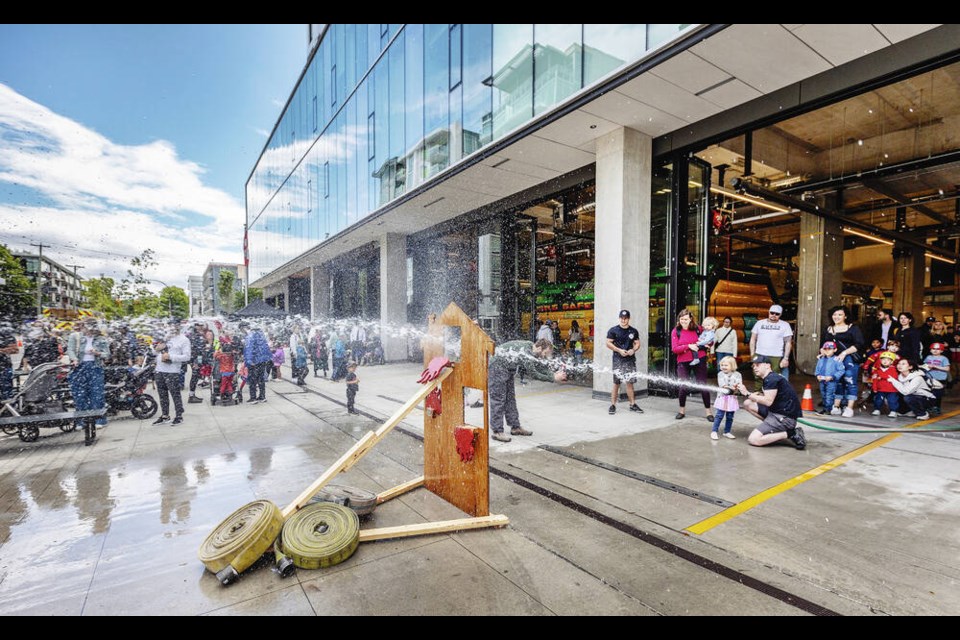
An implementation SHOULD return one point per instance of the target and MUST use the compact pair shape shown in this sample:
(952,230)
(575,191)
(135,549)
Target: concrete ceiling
(736,65)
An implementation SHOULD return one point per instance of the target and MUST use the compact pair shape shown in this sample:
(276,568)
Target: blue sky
(118,138)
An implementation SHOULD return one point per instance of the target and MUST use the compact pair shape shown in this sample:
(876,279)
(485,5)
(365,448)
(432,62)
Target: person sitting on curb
(777,405)
(501,372)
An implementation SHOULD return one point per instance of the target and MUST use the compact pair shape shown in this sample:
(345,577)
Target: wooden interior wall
(463,484)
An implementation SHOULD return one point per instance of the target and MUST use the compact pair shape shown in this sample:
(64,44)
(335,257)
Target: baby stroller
(37,394)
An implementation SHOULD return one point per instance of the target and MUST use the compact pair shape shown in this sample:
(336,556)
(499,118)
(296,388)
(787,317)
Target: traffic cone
(806,403)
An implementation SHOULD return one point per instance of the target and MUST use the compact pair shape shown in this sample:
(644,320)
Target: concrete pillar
(319,292)
(622,271)
(821,283)
(393,294)
(909,272)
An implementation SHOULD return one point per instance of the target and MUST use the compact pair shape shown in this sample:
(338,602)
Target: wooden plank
(445,526)
(360,449)
(399,490)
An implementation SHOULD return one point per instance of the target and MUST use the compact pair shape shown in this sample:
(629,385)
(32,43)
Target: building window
(315,115)
(326,179)
(309,196)
(455,57)
(371,135)
(333,86)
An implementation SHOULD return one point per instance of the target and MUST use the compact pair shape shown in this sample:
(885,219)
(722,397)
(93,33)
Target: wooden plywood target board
(447,471)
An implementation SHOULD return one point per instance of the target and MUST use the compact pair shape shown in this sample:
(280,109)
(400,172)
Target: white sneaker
(875,412)
(893,414)
(925,416)
(848,413)
(714,436)
(835,411)
(727,434)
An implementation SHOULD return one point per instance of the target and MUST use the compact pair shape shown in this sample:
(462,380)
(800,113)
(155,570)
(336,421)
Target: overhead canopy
(260,309)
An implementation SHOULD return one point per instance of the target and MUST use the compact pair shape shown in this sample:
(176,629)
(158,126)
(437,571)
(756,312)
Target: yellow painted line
(727,514)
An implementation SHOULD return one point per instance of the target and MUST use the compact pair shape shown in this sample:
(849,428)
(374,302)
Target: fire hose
(320,535)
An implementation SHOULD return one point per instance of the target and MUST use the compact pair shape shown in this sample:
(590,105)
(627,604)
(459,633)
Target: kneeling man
(777,405)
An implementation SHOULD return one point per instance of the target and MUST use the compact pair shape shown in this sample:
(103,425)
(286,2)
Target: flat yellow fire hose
(320,535)
(241,539)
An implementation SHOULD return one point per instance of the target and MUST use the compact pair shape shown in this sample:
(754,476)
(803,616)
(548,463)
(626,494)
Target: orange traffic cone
(806,403)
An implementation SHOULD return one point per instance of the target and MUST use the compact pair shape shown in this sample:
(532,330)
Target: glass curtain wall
(382,108)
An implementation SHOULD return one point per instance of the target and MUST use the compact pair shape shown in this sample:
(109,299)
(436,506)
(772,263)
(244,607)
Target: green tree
(175,300)
(225,289)
(252,294)
(101,296)
(17,293)
(132,290)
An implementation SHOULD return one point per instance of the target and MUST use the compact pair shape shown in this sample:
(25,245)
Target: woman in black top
(849,341)
(908,336)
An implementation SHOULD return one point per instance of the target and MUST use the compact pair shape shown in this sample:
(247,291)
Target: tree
(252,294)
(101,296)
(176,300)
(225,289)
(17,291)
(132,289)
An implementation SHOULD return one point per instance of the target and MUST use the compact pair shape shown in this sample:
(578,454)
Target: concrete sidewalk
(598,508)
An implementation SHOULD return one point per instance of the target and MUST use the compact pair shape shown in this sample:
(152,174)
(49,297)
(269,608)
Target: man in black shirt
(777,405)
(624,341)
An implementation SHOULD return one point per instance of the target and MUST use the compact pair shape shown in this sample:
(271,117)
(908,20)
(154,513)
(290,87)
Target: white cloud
(100,196)
(261,132)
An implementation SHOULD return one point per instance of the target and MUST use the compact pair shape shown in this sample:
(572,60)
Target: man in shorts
(777,405)
(624,341)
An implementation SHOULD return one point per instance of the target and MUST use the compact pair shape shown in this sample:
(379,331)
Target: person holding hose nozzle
(172,351)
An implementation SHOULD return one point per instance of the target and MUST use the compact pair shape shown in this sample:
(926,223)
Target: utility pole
(76,285)
(40,246)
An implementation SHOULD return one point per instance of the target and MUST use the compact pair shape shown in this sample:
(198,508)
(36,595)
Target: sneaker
(680,416)
(520,431)
(162,420)
(835,411)
(823,412)
(727,434)
(262,400)
(500,436)
(710,418)
(177,420)
(612,410)
(194,400)
(714,435)
(848,412)
(875,412)
(254,401)
(924,416)
(635,408)
(798,438)
(893,414)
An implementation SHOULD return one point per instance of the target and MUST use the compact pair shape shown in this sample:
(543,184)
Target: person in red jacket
(683,342)
(883,389)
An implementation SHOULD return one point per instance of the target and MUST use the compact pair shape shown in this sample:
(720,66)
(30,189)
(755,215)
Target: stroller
(39,393)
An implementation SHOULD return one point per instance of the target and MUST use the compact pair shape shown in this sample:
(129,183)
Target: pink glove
(432,372)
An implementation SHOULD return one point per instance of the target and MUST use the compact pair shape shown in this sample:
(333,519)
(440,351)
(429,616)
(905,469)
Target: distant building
(195,293)
(211,303)
(61,288)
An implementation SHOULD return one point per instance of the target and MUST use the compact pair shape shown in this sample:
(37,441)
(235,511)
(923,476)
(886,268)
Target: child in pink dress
(726,404)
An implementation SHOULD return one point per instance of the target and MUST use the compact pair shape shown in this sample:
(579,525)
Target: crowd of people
(229,356)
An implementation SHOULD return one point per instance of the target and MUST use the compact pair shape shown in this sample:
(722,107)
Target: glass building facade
(380,109)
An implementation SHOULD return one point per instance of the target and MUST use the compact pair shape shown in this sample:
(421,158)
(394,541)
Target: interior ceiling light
(867,236)
(745,198)
(940,258)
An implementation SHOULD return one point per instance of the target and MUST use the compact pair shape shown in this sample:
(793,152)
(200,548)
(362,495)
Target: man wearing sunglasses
(772,338)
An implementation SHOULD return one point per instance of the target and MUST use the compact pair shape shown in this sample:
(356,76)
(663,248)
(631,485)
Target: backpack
(932,383)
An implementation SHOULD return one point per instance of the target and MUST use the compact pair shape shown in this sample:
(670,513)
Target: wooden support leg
(445,526)
(363,445)
(399,490)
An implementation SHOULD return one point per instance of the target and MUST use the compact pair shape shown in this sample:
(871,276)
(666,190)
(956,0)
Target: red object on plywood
(433,403)
(465,437)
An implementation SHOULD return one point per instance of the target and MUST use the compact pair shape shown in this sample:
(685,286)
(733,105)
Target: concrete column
(393,294)
(909,272)
(319,292)
(821,283)
(622,271)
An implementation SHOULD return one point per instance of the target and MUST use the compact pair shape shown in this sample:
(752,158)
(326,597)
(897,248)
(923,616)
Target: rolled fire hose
(320,535)
(362,502)
(241,539)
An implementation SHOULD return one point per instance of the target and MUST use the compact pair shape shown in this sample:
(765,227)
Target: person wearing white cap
(773,338)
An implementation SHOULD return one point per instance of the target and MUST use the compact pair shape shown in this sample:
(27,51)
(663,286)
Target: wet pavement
(598,506)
